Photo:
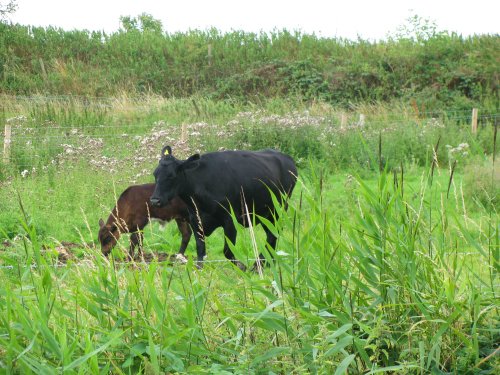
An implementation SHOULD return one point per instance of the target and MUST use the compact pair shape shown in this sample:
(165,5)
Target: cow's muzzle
(155,202)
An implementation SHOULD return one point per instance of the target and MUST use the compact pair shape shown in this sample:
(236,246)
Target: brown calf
(133,212)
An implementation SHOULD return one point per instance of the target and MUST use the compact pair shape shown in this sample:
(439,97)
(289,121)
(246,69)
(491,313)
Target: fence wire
(144,100)
(91,264)
(35,146)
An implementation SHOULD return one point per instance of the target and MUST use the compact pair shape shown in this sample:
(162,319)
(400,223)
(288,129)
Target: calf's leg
(185,230)
(135,240)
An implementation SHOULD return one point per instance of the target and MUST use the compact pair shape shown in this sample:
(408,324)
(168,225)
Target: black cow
(215,183)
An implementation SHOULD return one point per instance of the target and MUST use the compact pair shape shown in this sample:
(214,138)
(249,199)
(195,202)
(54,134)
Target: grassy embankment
(431,69)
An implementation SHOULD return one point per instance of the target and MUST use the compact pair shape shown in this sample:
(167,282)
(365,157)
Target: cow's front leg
(185,231)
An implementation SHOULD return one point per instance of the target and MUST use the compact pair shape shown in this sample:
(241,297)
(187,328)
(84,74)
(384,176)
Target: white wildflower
(18,119)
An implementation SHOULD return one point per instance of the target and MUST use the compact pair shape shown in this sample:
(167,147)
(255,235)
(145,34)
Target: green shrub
(440,70)
(482,184)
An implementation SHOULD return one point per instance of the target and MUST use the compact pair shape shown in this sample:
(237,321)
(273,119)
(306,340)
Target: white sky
(335,18)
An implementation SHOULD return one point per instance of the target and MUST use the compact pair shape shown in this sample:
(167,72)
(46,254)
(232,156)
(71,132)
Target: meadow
(387,258)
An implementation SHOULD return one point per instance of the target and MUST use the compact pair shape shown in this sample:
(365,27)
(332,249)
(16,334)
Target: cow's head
(167,176)
(108,236)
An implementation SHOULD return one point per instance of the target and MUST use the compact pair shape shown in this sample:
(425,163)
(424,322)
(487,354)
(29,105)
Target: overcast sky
(369,19)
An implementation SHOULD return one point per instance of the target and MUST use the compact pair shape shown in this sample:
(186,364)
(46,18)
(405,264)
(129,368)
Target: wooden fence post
(6,144)
(184,133)
(361,120)
(343,120)
(42,66)
(474,121)
(209,54)
(415,108)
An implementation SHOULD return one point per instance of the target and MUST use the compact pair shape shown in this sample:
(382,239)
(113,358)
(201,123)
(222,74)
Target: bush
(440,70)
(482,184)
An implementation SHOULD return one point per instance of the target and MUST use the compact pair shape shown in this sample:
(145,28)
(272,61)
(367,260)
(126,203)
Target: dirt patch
(155,257)
(63,254)
(5,244)
(66,252)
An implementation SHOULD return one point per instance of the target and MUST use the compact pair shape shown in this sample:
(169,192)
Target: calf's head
(168,174)
(108,236)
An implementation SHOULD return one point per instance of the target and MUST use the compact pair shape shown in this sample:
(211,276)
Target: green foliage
(390,271)
(142,23)
(482,184)
(418,29)
(398,283)
(302,78)
(7,8)
(432,68)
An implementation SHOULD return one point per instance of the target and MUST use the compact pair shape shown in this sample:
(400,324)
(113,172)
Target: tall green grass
(387,259)
(403,283)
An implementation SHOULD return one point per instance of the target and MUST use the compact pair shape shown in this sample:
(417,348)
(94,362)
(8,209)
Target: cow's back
(222,177)
(134,206)
(131,207)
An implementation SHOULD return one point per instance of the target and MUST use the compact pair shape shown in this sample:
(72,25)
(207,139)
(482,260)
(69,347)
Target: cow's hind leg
(230,235)
(199,237)
(271,240)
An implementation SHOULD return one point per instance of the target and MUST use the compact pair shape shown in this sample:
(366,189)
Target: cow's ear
(190,163)
(101,223)
(192,158)
(166,151)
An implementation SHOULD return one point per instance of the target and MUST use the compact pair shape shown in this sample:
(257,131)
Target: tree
(143,22)
(418,29)
(7,8)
